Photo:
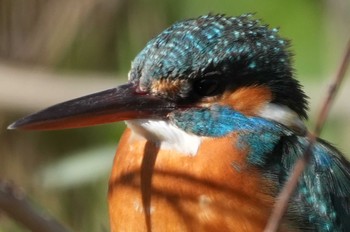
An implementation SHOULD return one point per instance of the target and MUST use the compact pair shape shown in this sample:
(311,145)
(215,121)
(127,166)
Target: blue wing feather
(324,188)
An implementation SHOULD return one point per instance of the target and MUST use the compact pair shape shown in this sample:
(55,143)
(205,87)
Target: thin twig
(287,191)
(14,203)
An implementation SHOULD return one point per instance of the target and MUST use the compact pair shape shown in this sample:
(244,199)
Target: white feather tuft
(285,116)
(166,135)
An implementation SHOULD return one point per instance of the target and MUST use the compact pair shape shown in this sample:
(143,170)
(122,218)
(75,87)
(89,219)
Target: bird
(215,122)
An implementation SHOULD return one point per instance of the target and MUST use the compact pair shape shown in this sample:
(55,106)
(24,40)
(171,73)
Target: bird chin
(166,135)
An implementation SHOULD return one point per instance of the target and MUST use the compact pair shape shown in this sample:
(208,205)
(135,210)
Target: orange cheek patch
(247,100)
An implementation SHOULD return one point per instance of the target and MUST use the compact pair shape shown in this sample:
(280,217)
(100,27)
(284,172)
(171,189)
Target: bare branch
(14,203)
(287,191)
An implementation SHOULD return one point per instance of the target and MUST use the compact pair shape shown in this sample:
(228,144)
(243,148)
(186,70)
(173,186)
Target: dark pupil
(207,87)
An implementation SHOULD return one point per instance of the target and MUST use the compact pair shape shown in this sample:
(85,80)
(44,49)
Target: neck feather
(166,135)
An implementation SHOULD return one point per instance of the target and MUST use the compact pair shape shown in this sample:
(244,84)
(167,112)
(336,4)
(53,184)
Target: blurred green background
(52,51)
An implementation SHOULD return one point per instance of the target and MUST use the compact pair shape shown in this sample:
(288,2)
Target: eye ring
(208,86)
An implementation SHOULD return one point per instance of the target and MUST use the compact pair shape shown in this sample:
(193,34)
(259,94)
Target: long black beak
(112,105)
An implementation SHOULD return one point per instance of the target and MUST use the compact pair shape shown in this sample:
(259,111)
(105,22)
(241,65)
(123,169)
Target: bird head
(194,71)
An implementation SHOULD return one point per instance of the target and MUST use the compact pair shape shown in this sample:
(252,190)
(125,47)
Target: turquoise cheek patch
(257,135)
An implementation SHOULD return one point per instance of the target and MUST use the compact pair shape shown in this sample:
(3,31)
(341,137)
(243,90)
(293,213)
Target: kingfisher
(215,123)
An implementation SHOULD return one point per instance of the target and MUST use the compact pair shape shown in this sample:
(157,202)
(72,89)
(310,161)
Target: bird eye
(208,87)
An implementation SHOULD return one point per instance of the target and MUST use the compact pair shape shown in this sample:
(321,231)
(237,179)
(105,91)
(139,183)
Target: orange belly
(159,190)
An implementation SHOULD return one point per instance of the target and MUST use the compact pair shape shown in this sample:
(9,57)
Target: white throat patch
(166,135)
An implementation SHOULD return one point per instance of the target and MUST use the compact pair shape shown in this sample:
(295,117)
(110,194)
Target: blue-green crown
(240,48)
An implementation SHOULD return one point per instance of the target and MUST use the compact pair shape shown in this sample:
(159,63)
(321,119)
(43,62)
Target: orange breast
(159,190)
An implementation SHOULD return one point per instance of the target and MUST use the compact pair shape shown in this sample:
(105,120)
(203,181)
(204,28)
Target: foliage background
(51,51)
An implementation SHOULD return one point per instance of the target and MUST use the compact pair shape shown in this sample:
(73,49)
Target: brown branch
(14,203)
(287,191)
